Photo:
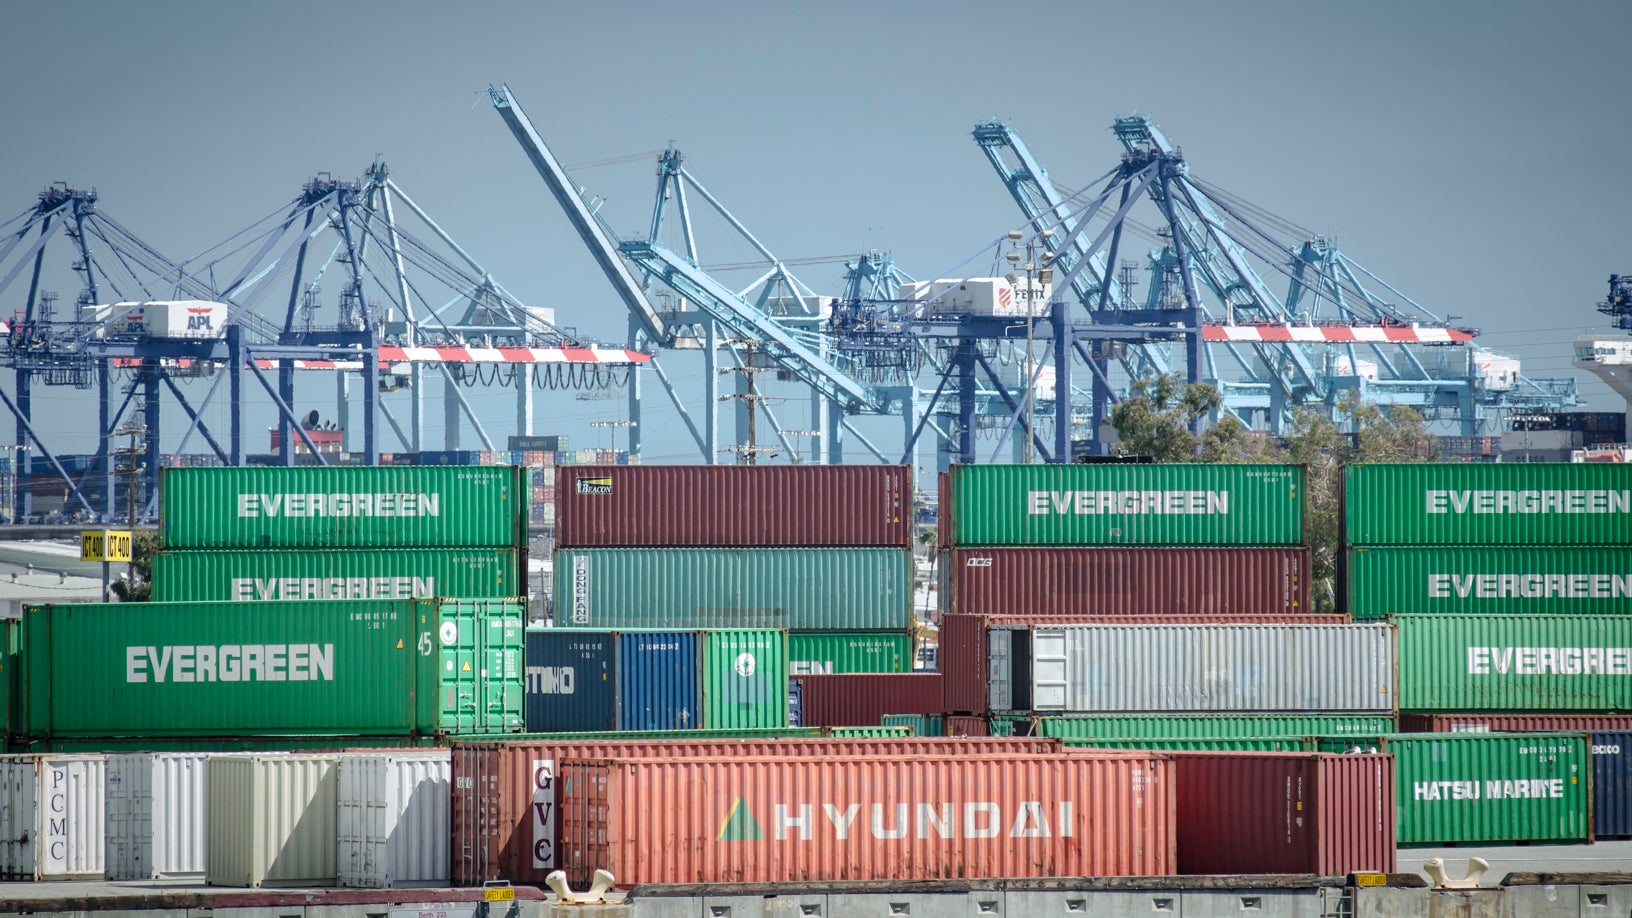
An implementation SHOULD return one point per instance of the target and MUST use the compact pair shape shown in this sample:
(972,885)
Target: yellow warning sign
(499,894)
(104,545)
(1371,879)
(467,666)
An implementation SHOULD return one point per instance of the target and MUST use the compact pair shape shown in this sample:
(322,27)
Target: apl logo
(746,664)
(198,317)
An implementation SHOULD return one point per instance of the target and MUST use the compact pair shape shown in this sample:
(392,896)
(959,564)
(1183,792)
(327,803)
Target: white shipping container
(51,817)
(269,820)
(393,823)
(155,807)
(160,319)
(981,296)
(1109,669)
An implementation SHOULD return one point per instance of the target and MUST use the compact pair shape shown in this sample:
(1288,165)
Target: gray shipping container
(1211,669)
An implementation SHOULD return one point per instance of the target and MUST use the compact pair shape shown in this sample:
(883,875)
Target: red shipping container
(1094,582)
(1515,723)
(505,795)
(1284,812)
(862,699)
(786,819)
(963,645)
(966,725)
(730,506)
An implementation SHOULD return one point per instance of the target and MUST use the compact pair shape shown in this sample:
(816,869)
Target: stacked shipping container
(1510,588)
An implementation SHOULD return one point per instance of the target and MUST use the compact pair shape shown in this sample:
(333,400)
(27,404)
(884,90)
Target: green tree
(1157,417)
(144,544)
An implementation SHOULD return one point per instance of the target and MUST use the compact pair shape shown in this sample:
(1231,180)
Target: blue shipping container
(1612,784)
(569,686)
(658,682)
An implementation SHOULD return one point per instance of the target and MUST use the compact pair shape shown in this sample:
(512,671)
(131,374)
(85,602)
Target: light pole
(1030,297)
(614,425)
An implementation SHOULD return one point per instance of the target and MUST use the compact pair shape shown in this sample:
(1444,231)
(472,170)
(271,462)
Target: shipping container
(1181,727)
(1487,788)
(861,589)
(745,679)
(966,725)
(725,506)
(155,815)
(760,819)
(660,680)
(269,820)
(1515,723)
(571,680)
(1080,582)
(391,823)
(363,667)
(222,745)
(240,576)
(1515,663)
(1181,504)
(919,724)
(1241,744)
(849,652)
(1478,503)
(1284,812)
(501,832)
(862,699)
(1612,784)
(52,817)
(1191,668)
(343,507)
(1536,579)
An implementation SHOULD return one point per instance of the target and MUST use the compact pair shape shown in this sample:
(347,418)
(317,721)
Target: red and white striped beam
(1334,334)
(392,355)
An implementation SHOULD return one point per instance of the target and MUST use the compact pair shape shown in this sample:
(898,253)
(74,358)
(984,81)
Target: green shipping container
(402,573)
(919,724)
(344,507)
(1481,788)
(1532,580)
(840,589)
(869,732)
(343,668)
(677,735)
(1479,503)
(228,744)
(1179,726)
(1454,663)
(1186,504)
(1238,744)
(849,652)
(745,679)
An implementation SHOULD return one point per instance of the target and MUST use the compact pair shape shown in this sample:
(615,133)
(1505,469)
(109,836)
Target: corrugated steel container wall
(659,684)
(1071,582)
(1205,726)
(722,506)
(918,724)
(1243,744)
(1184,504)
(1492,787)
(1284,812)
(745,679)
(407,573)
(392,825)
(52,817)
(760,819)
(1533,580)
(862,589)
(1612,784)
(1552,663)
(1488,503)
(1515,723)
(1213,668)
(849,652)
(571,680)
(966,725)
(862,699)
(483,694)
(155,807)
(269,820)
(499,832)
(961,652)
(343,507)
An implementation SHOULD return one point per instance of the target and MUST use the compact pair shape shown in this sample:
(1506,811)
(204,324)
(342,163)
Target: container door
(1612,784)
(999,689)
(72,792)
(657,681)
(458,638)
(1050,670)
(129,806)
(503,627)
(18,783)
(569,681)
(746,679)
(796,695)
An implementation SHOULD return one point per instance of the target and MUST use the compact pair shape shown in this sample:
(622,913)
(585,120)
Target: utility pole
(129,454)
(748,454)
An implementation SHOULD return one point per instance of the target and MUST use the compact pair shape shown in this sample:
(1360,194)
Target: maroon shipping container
(505,795)
(963,645)
(862,699)
(1284,812)
(802,819)
(966,725)
(734,506)
(1515,723)
(1114,582)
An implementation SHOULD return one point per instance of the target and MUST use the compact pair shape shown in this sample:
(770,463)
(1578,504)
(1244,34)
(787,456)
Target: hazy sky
(1473,154)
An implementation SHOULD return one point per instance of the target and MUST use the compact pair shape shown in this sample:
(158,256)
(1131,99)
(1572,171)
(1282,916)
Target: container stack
(1510,586)
(747,573)
(321,533)
(1127,591)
